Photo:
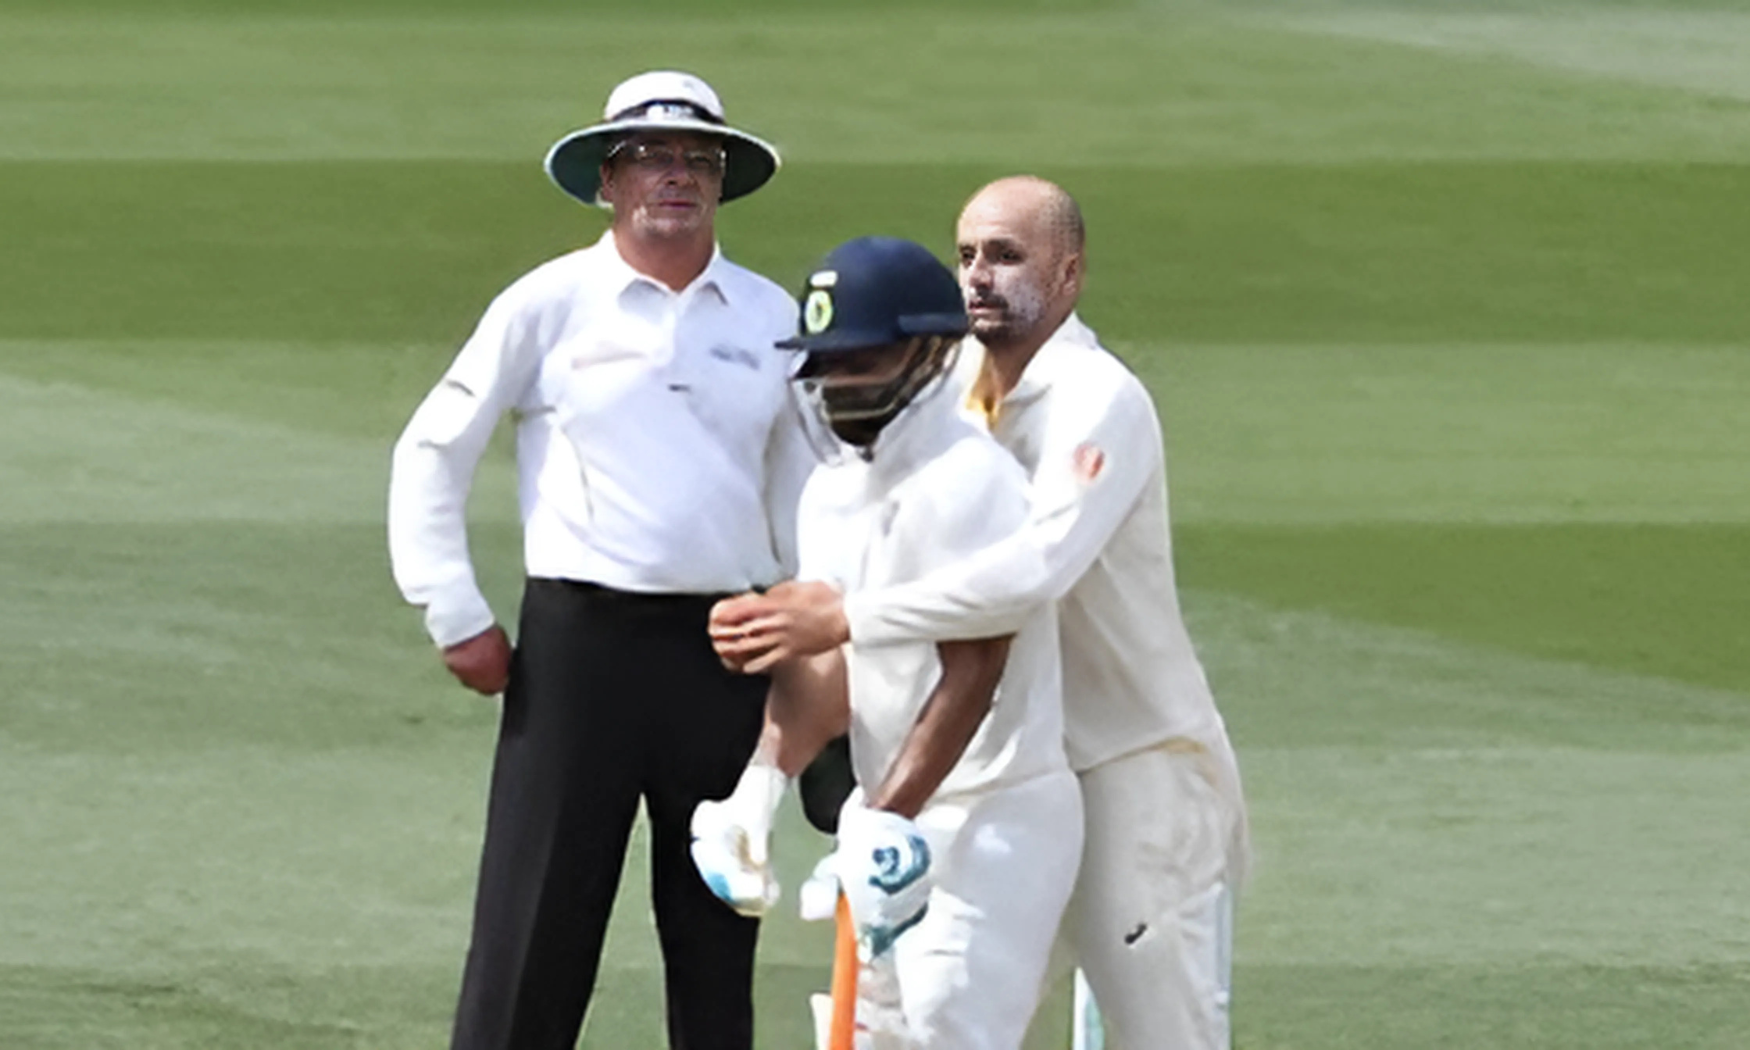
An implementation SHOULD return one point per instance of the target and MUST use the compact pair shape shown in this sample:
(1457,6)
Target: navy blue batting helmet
(874,291)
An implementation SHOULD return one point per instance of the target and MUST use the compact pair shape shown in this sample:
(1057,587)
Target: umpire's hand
(482,663)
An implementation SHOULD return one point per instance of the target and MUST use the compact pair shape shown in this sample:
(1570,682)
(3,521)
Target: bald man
(1150,922)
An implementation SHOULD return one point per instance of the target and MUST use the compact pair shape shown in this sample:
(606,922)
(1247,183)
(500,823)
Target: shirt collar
(619,276)
(1036,378)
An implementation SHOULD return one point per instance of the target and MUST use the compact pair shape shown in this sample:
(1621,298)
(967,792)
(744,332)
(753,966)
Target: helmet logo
(817,311)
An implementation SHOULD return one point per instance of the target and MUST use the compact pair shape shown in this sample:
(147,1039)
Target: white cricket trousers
(1151,920)
(1004,863)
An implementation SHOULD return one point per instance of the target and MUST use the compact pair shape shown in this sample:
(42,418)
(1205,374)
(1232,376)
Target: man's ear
(1070,275)
(606,190)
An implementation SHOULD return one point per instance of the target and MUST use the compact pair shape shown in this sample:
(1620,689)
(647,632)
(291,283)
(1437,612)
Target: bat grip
(842,1033)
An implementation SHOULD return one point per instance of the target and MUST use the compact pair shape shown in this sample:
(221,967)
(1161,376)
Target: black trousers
(613,698)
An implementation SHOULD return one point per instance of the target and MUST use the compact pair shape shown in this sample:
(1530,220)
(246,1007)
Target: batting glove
(733,859)
(883,865)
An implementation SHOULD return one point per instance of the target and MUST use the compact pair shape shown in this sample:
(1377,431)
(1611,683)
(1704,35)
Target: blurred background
(1444,306)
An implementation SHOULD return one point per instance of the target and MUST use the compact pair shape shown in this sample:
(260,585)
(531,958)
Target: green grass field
(1446,307)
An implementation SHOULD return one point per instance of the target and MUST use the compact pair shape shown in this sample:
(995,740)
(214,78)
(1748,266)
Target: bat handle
(843,1030)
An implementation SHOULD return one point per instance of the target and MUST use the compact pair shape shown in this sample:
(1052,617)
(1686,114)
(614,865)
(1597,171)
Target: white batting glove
(883,865)
(733,859)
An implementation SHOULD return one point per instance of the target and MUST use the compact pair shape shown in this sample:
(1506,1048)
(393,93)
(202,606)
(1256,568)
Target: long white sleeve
(790,459)
(433,470)
(1077,506)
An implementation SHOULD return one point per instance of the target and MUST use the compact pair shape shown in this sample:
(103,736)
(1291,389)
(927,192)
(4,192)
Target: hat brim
(575,161)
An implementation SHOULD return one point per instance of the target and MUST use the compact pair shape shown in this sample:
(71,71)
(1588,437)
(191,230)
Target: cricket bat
(835,1015)
(844,980)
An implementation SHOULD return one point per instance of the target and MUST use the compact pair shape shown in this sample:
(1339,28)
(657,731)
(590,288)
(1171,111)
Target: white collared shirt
(658,444)
(936,490)
(1085,429)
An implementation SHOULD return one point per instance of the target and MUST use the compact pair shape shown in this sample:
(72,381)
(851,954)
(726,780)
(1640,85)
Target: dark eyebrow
(1002,243)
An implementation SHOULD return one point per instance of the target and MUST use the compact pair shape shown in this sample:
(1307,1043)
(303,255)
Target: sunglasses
(654,157)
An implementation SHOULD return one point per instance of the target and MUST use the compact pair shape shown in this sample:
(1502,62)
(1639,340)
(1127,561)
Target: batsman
(958,850)
(1150,922)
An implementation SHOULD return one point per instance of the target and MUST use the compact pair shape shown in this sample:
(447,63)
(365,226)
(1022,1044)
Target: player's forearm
(997,589)
(950,718)
(1092,472)
(991,594)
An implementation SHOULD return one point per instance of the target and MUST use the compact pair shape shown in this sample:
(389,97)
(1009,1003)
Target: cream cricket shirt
(936,490)
(658,444)
(1083,426)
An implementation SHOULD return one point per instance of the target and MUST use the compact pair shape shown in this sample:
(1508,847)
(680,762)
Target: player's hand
(883,865)
(482,663)
(734,859)
(754,632)
(725,627)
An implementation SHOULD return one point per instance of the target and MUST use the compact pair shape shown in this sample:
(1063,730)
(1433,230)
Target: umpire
(659,457)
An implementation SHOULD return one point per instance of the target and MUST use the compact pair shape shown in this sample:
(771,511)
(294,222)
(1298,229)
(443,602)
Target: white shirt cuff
(449,621)
(866,626)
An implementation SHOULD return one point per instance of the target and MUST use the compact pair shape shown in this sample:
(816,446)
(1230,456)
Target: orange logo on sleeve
(1088,461)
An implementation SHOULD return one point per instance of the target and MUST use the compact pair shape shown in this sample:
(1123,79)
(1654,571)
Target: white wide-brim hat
(663,100)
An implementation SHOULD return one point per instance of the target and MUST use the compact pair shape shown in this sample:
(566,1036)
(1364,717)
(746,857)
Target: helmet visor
(857,392)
